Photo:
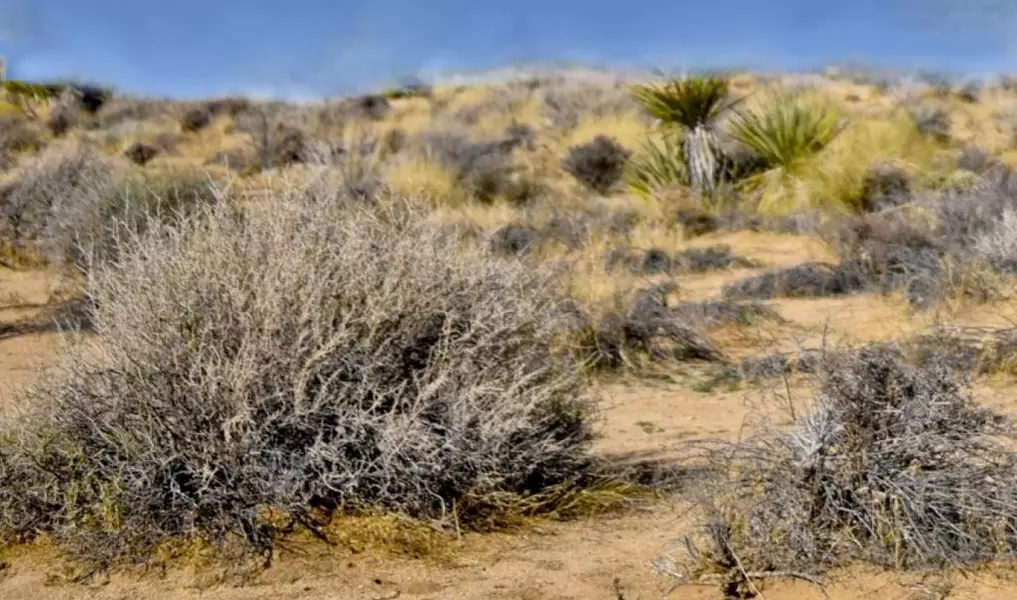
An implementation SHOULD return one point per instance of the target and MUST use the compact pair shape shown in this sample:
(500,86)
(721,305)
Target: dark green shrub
(196,119)
(599,165)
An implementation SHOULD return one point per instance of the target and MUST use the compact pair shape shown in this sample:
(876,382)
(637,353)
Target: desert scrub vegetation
(762,153)
(598,165)
(928,247)
(693,107)
(18,136)
(58,178)
(892,463)
(256,371)
(785,131)
(65,207)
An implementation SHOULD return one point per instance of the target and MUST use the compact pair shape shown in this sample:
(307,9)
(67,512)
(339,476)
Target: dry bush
(712,313)
(974,220)
(277,132)
(691,260)
(807,280)
(372,106)
(84,230)
(884,186)
(710,258)
(522,133)
(240,160)
(62,119)
(893,464)
(254,371)
(60,177)
(932,121)
(644,327)
(884,252)
(972,350)
(896,251)
(394,141)
(977,160)
(514,240)
(230,106)
(567,101)
(17,135)
(599,164)
(970,93)
(999,244)
(89,97)
(141,153)
(196,119)
(68,205)
(944,244)
(121,109)
(642,262)
(485,170)
(769,366)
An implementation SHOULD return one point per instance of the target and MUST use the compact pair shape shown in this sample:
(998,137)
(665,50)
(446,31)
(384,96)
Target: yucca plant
(692,105)
(787,130)
(657,166)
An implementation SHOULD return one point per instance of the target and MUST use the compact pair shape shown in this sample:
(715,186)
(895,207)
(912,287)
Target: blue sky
(318,47)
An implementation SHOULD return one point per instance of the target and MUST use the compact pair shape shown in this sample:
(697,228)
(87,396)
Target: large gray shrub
(300,356)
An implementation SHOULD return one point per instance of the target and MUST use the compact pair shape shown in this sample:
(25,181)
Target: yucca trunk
(701,147)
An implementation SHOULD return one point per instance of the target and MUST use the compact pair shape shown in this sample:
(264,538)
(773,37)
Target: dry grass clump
(893,464)
(252,372)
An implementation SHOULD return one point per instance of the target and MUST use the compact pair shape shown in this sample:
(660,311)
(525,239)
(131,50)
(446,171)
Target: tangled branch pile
(893,464)
(256,370)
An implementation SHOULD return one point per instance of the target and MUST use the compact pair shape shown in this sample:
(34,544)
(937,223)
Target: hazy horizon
(307,48)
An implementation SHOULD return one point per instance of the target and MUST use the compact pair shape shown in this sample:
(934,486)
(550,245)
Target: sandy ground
(577,560)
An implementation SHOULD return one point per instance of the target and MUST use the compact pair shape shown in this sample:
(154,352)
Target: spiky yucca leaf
(657,166)
(786,130)
(692,104)
(689,102)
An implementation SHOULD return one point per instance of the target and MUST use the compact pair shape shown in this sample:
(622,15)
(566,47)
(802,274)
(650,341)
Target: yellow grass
(419,176)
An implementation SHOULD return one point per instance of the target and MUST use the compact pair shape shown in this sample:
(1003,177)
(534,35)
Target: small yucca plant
(692,105)
(786,130)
